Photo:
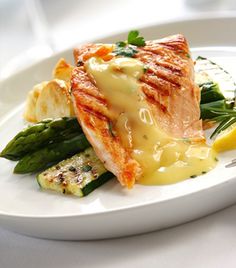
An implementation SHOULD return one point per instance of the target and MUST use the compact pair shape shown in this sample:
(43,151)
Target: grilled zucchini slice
(215,83)
(78,175)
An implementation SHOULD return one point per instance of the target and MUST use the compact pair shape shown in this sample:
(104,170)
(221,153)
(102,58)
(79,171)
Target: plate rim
(116,210)
(222,15)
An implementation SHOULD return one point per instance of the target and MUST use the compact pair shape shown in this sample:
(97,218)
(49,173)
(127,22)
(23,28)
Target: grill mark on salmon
(95,113)
(100,101)
(156,85)
(165,71)
(142,55)
(153,96)
(156,103)
(88,84)
(162,75)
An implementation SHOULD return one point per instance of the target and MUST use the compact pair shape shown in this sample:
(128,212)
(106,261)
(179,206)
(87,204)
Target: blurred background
(33,29)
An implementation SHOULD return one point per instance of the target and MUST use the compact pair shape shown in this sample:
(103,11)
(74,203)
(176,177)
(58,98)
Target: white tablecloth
(207,242)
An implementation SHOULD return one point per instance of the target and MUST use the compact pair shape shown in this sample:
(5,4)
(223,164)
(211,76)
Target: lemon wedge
(226,140)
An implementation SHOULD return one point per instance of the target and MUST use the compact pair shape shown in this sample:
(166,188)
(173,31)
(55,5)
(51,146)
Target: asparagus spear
(51,154)
(41,134)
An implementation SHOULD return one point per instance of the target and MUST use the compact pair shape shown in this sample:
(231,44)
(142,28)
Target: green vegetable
(145,68)
(110,129)
(225,117)
(51,154)
(217,94)
(210,92)
(78,175)
(127,51)
(128,48)
(206,109)
(207,71)
(41,134)
(135,39)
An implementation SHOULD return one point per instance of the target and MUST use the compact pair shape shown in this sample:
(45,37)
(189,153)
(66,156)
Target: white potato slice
(51,99)
(63,70)
(30,108)
(54,101)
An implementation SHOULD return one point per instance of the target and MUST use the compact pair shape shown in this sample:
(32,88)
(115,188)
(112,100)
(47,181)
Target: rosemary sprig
(226,117)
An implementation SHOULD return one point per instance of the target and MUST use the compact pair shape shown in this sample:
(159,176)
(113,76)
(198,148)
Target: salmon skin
(169,89)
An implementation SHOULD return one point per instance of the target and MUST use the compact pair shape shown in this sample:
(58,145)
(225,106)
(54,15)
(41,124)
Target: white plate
(112,211)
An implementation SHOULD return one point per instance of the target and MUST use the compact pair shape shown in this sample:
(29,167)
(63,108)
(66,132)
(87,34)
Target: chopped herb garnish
(110,129)
(135,39)
(145,68)
(86,168)
(216,159)
(204,172)
(127,48)
(127,51)
(121,44)
(145,137)
(184,52)
(186,140)
(193,176)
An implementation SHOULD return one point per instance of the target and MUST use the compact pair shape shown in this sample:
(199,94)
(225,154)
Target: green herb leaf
(110,129)
(145,68)
(132,35)
(223,125)
(127,51)
(121,44)
(135,39)
(226,117)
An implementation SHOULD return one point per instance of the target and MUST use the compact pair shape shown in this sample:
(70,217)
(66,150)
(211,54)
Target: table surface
(34,27)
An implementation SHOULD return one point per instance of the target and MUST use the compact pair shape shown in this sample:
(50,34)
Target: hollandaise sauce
(164,159)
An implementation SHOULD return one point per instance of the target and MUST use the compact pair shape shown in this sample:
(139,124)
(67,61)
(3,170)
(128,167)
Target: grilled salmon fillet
(169,90)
